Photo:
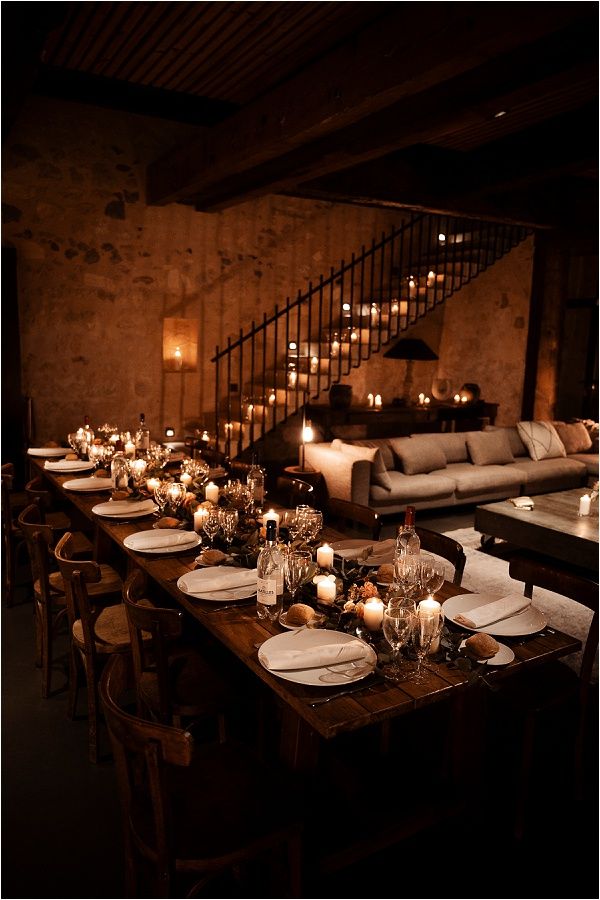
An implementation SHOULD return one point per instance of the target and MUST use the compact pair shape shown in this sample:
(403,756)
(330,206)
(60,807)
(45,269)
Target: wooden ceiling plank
(145,48)
(66,42)
(89,37)
(115,27)
(377,68)
(144,19)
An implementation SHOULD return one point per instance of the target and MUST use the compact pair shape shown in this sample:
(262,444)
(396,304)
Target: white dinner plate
(48,451)
(123,510)
(69,465)
(304,638)
(244,592)
(527,622)
(357,544)
(88,484)
(316,620)
(170,541)
(503,657)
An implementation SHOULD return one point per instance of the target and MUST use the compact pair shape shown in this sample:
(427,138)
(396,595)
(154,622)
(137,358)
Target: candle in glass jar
(211,492)
(185,478)
(130,450)
(325,556)
(584,505)
(152,484)
(199,516)
(373,614)
(430,609)
(326,589)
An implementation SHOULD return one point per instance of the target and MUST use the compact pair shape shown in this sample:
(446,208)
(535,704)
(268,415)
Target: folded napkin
(68,464)
(313,657)
(218,578)
(382,552)
(118,507)
(367,552)
(152,540)
(500,609)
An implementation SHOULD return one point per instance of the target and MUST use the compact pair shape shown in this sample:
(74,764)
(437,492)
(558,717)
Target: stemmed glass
(161,496)
(211,525)
(397,624)
(297,565)
(228,519)
(426,628)
(432,574)
(175,494)
(407,579)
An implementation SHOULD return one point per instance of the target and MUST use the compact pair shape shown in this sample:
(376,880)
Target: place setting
(125,509)
(162,541)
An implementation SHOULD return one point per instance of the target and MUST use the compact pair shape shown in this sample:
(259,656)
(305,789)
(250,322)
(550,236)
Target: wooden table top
(239,629)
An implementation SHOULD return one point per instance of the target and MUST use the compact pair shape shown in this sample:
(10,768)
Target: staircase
(314,340)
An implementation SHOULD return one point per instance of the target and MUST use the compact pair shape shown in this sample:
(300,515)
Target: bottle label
(266,591)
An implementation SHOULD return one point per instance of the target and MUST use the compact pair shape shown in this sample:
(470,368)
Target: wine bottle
(407,541)
(269,593)
(142,435)
(256,482)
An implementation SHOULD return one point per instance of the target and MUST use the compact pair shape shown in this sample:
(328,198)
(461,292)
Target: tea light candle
(199,516)
(211,492)
(464,399)
(326,589)
(271,514)
(584,505)
(185,478)
(430,609)
(373,614)
(457,398)
(427,400)
(325,556)
(421,399)
(152,484)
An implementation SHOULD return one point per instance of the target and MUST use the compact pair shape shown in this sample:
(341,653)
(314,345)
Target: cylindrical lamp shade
(180,345)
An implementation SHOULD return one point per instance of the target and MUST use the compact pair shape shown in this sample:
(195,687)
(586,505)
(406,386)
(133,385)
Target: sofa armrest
(347,478)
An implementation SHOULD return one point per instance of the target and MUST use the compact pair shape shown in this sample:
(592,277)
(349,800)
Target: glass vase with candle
(119,470)
(427,623)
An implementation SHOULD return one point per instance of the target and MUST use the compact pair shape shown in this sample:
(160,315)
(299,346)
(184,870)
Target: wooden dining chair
(345,514)
(446,547)
(175,684)
(13,542)
(192,812)
(55,518)
(555,686)
(293,492)
(98,626)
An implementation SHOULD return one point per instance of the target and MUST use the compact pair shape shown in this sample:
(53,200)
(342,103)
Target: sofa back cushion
(489,448)
(379,473)
(541,440)
(382,444)
(517,447)
(419,454)
(574,435)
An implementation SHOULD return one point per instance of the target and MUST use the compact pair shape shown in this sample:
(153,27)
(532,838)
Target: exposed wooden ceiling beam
(396,58)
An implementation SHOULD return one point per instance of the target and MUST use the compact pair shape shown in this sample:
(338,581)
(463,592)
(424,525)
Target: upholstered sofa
(458,468)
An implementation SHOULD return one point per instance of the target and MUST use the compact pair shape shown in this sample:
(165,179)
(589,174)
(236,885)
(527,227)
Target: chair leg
(73,682)
(92,710)
(37,625)
(46,628)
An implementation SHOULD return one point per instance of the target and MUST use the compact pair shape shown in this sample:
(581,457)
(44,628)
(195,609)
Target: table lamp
(410,349)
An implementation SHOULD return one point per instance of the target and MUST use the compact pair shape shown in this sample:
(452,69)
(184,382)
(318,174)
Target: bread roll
(71,456)
(120,495)
(167,522)
(299,614)
(50,444)
(385,573)
(481,646)
(102,473)
(212,557)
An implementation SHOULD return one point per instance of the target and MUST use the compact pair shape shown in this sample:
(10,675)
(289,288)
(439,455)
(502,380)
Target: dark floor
(61,828)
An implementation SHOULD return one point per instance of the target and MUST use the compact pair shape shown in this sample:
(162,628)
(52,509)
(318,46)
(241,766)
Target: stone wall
(99,270)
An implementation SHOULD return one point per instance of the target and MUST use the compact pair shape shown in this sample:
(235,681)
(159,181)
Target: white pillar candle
(152,484)
(325,556)
(199,516)
(421,399)
(378,400)
(185,478)
(370,399)
(130,450)
(211,492)
(271,514)
(430,609)
(457,398)
(373,614)
(584,505)
(326,589)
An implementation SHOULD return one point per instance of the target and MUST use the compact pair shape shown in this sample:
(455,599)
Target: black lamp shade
(410,348)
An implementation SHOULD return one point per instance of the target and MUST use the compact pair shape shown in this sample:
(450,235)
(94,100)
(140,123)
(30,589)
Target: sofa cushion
(489,448)
(414,488)
(473,481)
(542,475)
(589,460)
(379,473)
(541,440)
(517,447)
(384,445)
(418,455)
(574,436)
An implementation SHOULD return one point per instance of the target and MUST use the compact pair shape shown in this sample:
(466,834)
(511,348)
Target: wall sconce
(180,345)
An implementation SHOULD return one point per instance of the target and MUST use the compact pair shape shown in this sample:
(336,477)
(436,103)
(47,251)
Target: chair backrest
(142,752)
(164,625)
(447,548)
(77,574)
(39,539)
(535,572)
(37,493)
(344,512)
(292,492)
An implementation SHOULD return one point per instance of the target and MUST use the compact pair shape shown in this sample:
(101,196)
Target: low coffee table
(552,528)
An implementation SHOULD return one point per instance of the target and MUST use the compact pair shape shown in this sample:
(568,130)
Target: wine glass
(211,525)
(407,578)
(228,519)
(175,494)
(397,625)
(432,574)
(161,497)
(297,565)
(426,628)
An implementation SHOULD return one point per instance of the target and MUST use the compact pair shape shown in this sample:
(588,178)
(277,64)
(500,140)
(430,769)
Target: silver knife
(351,690)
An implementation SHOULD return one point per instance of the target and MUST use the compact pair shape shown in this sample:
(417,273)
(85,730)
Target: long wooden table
(307,731)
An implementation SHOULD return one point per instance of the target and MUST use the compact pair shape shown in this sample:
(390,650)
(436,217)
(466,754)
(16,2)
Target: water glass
(228,519)
(397,626)
(297,565)
(211,525)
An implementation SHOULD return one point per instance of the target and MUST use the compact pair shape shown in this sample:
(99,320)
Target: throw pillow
(517,447)
(541,440)
(574,436)
(383,445)
(379,473)
(489,448)
(417,455)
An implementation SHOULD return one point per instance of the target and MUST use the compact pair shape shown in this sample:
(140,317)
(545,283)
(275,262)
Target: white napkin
(500,609)
(118,507)
(218,578)
(152,540)
(376,553)
(313,657)
(68,464)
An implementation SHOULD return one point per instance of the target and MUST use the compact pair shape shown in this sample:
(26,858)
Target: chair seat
(221,803)
(58,521)
(195,687)
(112,631)
(56,588)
